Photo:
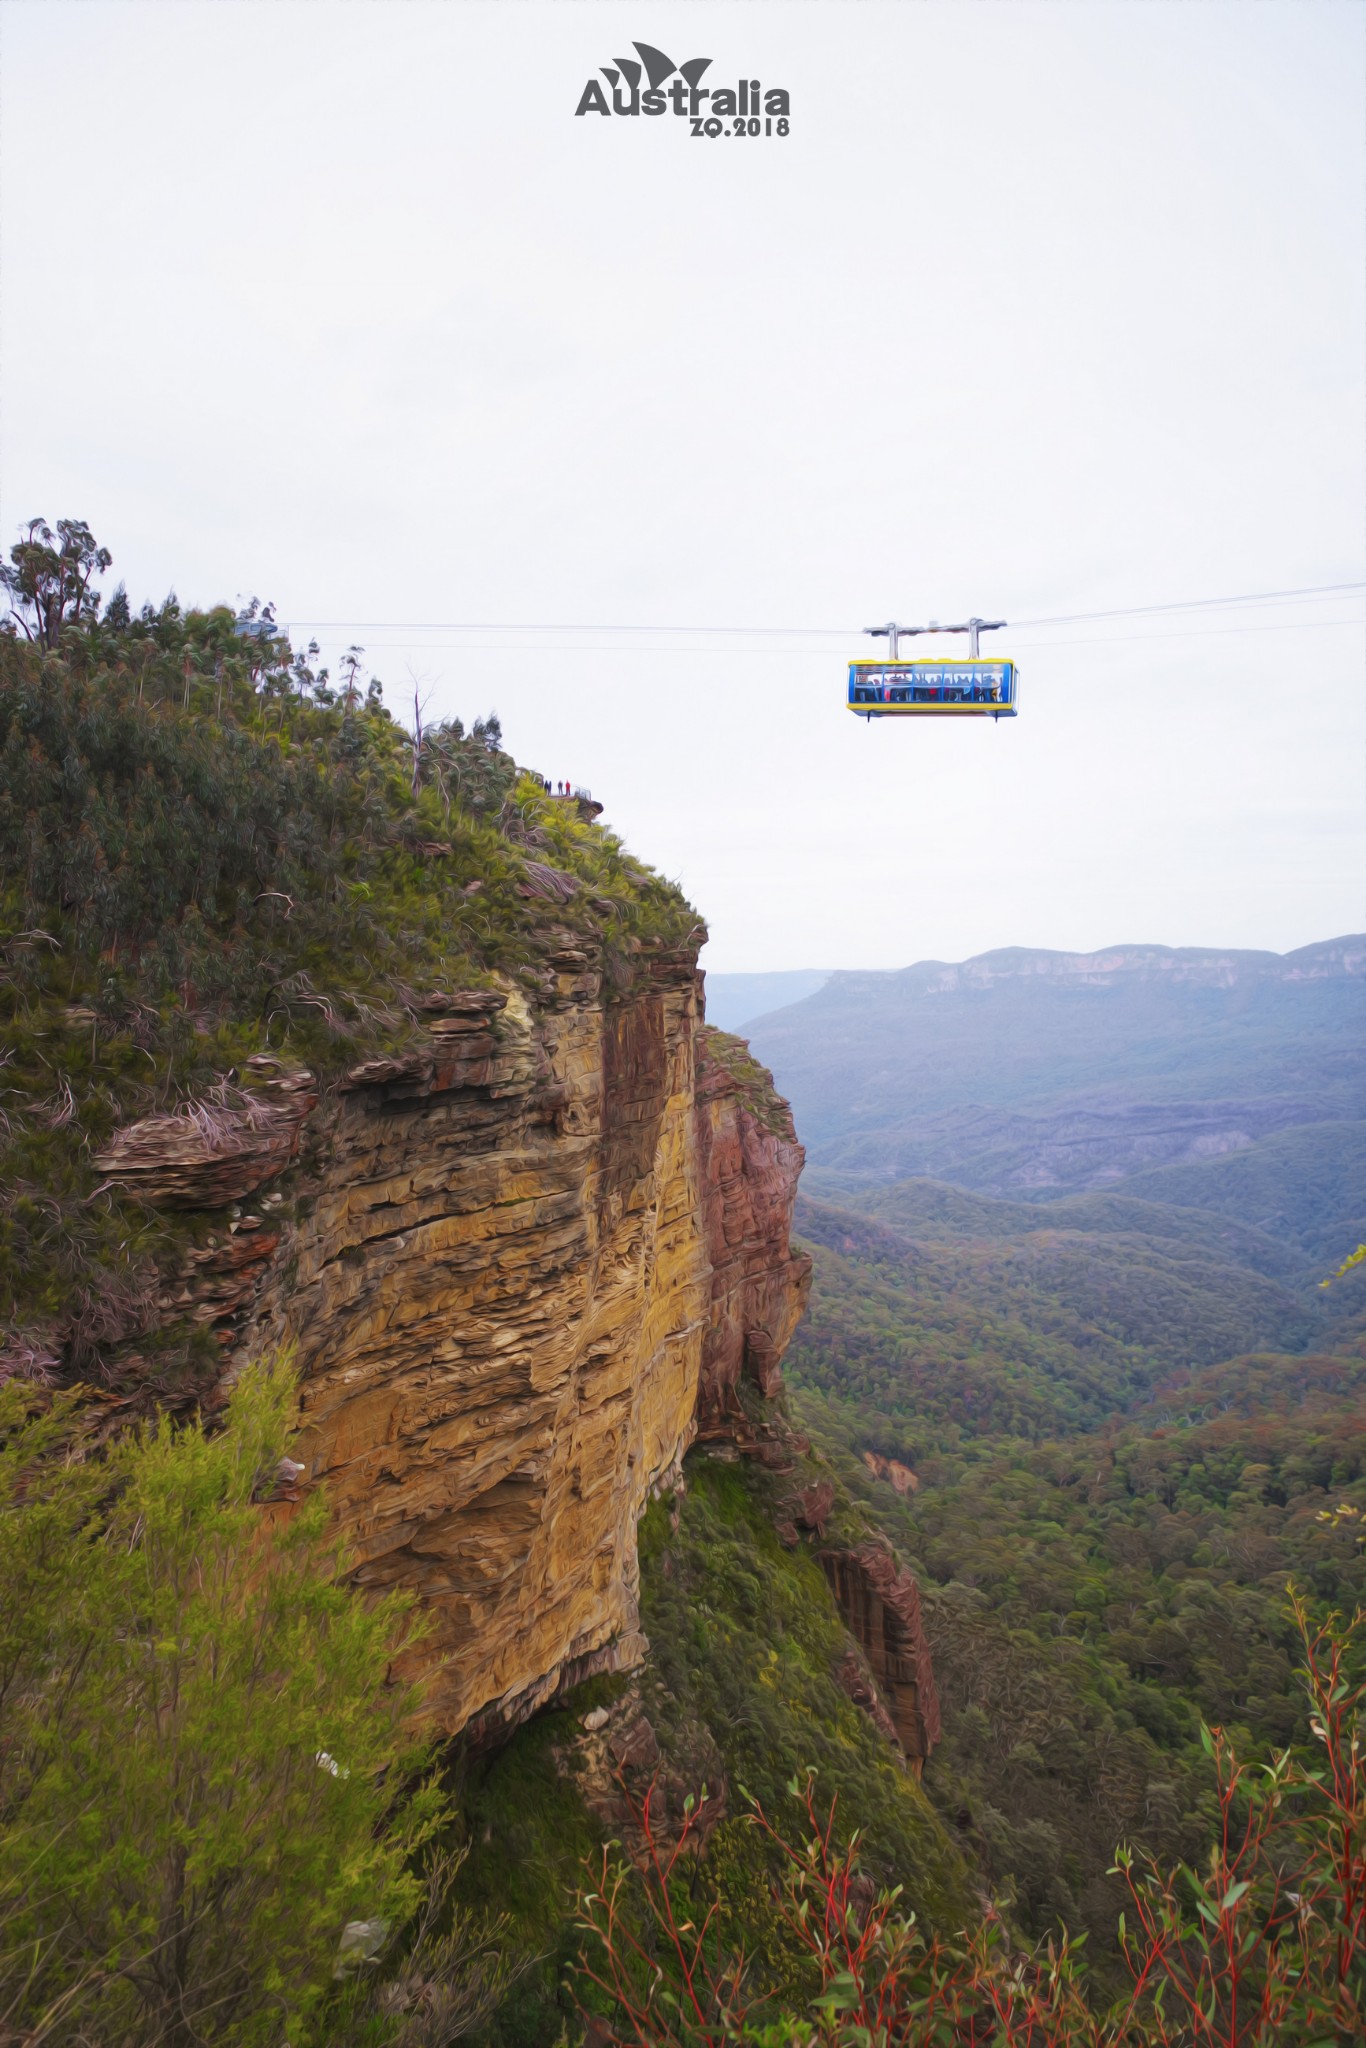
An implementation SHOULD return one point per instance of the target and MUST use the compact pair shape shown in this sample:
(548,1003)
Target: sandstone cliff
(530,1254)
(321,1034)
(880,1602)
(748,1166)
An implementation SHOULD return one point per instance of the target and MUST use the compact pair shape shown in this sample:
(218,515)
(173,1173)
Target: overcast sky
(1037,309)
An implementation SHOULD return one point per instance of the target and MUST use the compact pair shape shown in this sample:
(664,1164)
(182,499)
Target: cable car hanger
(970,688)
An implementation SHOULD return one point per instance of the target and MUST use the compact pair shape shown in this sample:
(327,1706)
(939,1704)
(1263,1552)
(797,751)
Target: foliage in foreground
(204,1775)
(1266,1946)
(741,1690)
(746,1642)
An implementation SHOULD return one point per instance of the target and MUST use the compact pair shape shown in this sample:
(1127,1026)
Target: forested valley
(1112,1419)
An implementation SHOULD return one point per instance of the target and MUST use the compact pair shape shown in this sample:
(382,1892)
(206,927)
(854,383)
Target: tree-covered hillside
(1070,1343)
(1091,1599)
(1306,1187)
(1059,1411)
(1301,1193)
(1030,1333)
(1026,1073)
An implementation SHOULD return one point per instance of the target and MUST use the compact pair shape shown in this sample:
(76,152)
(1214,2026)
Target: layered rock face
(748,1165)
(536,1255)
(537,1247)
(880,1602)
(899,1477)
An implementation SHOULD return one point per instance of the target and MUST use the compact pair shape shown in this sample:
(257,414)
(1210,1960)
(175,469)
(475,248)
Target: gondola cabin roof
(933,689)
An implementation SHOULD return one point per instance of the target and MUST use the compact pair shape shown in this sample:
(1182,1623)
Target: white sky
(1039,308)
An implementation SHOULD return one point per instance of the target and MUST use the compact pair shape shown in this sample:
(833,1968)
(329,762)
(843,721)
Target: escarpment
(536,1251)
(328,1035)
(749,1162)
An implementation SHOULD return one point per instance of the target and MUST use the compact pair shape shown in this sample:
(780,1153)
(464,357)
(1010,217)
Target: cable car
(972,688)
(933,689)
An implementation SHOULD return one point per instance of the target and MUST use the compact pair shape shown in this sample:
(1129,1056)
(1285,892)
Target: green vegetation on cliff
(742,1693)
(207,851)
(745,1641)
(768,1107)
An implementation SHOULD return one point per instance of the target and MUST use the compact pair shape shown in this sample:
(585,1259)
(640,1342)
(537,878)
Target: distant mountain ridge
(1026,1072)
(1199,966)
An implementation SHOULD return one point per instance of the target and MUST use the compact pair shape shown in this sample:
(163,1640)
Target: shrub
(204,1773)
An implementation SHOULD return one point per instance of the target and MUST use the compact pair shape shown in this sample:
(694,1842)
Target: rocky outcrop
(856,1681)
(807,1511)
(748,1165)
(880,1602)
(526,1259)
(616,1762)
(519,1256)
(898,1476)
(498,1306)
(214,1152)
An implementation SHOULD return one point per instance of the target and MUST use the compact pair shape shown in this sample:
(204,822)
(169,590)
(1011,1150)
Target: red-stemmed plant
(1265,1949)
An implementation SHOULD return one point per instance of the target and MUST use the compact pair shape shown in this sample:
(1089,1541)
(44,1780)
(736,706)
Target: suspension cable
(1194,604)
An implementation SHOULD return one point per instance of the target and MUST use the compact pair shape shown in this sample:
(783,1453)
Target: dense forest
(1107,1465)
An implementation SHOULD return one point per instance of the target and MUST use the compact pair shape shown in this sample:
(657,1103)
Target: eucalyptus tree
(50,579)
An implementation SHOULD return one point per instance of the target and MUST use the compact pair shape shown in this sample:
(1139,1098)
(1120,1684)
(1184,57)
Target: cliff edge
(531,1257)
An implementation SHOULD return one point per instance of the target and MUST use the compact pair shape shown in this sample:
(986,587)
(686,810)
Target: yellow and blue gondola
(933,689)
